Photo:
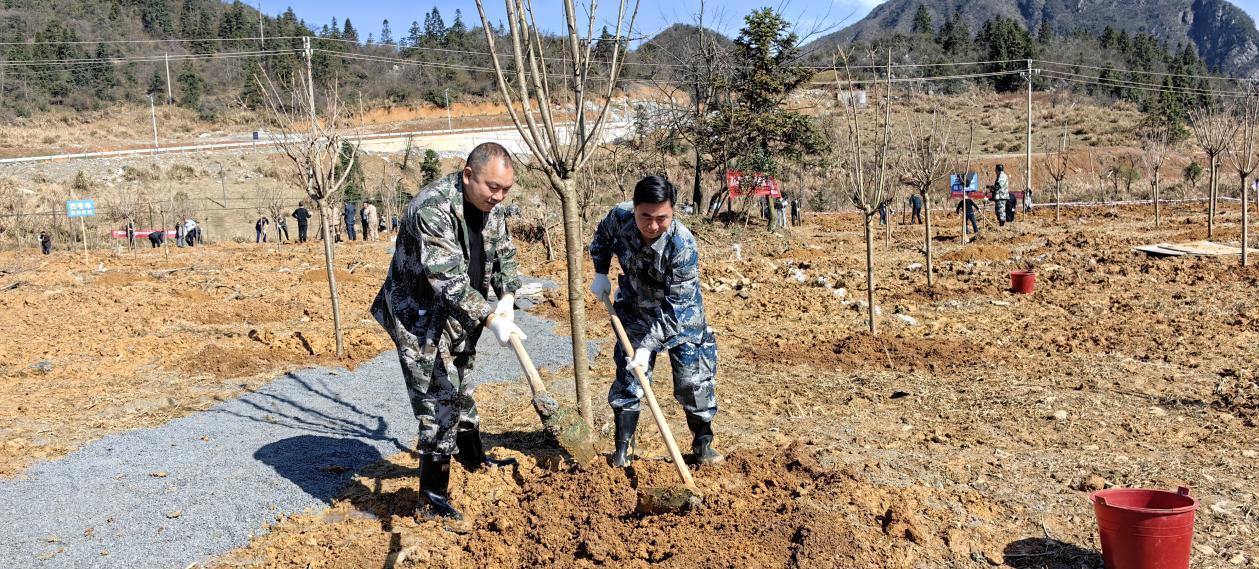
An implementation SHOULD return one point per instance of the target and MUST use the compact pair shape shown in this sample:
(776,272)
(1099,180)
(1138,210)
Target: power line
(170,40)
(1108,82)
(916,79)
(143,58)
(1138,72)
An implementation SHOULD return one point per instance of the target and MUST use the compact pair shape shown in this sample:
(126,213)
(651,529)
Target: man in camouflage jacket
(452,247)
(658,300)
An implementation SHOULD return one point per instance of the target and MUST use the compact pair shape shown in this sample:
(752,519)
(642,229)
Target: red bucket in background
(1144,529)
(1022,282)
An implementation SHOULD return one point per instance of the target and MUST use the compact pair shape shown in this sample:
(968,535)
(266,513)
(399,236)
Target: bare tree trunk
(926,220)
(1157,211)
(324,212)
(546,241)
(573,249)
(1057,200)
(870,274)
(1245,221)
(1211,199)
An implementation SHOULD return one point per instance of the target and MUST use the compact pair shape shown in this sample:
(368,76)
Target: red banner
(760,184)
(140,233)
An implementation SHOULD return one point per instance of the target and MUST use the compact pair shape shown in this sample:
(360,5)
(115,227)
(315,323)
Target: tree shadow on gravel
(286,412)
(321,466)
(1048,553)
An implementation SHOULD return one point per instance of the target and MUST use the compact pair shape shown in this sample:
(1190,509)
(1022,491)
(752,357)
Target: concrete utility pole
(262,34)
(310,84)
(449,123)
(153,113)
(1028,187)
(170,98)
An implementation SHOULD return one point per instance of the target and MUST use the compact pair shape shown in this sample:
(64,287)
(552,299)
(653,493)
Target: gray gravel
(204,484)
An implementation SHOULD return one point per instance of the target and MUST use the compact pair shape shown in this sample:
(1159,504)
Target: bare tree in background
(1243,158)
(1153,154)
(865,165)
(927,162)
(123,204)
(1214,129)
(1056,166)
(315,153)
(561,151)
(275,205)
(390,195)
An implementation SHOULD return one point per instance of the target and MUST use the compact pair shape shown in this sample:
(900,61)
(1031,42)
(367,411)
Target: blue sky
(818,16)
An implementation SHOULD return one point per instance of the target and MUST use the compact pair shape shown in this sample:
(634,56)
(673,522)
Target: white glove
(506,308)
(602,287)
(639,361)
(503,329)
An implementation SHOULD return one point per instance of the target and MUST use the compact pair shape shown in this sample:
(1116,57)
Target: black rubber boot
(626,423)
(472,452)
(702,450)
(435,488)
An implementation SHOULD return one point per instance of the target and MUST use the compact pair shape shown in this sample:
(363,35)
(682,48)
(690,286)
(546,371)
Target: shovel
(563,423)
(653,499)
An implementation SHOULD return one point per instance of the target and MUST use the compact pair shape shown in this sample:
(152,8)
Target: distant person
(971,208)
(191,233)
(131,234)
(45,242)
(349,220)
(883,214)
(795,211)
(179,234)
(157,238)
(281,229)
(260,229)
(368,213)
(780,204)
(394,223)
(915,207)
(1001,194)
(302,215)
(1027,201)
(1010,206)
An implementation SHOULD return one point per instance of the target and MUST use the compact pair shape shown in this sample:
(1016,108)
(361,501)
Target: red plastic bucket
(1144,529)
(1022,282)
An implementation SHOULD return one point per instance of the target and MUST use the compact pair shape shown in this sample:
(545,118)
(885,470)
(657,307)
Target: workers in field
(658,299)
(453,247)
(1001,194)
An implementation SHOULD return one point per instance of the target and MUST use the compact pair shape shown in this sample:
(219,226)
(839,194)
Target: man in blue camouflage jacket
(658,300)
(452,247)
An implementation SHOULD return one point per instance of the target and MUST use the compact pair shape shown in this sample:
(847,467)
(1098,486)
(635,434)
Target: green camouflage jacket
(427,290)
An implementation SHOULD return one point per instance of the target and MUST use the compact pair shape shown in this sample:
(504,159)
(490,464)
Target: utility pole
(153,113)
(170,98)
(1028,187)
(310,84)
(262,34)
(449,123)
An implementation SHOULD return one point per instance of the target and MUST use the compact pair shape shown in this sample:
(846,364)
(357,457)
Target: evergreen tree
(157,84)
(604,46)
(954,37)
(415,35)
(922,21)
(1003,39)
(349,33)
(456,35)
(155,17)
(434,29)
(191,85)
(251,94)
(431,167)
(354,189)
(1045,34)
(386,34)
(103,78)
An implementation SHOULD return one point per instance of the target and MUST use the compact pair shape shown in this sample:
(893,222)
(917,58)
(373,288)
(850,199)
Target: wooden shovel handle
(531,372)
(683,471)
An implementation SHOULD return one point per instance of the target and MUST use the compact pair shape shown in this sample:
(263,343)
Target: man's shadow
(1048,553)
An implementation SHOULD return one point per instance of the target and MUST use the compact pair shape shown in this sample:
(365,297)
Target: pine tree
(456,35)
(386,34)
(1045,34)
(414,36)
(157,84)
(431,167)
(349,33)
(434,29)
(191,86)
(922,21)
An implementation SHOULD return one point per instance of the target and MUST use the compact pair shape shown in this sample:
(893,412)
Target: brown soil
(180,333)
(862,350)
(982,252)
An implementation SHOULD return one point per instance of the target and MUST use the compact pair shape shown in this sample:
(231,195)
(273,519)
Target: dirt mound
(223,363)
(321,275)
(978,253)
(768,508)
(900,352)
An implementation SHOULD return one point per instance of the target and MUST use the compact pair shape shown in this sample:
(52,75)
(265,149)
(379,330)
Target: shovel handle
(531,372)
(683,471)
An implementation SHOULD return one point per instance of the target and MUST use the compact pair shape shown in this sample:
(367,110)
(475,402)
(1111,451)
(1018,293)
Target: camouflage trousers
(439,387)
(694,367)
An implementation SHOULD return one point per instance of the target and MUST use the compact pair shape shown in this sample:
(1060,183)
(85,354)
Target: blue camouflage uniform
(433,313)
(658,300)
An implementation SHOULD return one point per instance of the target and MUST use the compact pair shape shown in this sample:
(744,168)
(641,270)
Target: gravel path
(204,484)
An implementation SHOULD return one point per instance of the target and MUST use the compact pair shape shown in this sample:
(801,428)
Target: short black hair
(1000,167)
(655,189)
(484,152)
